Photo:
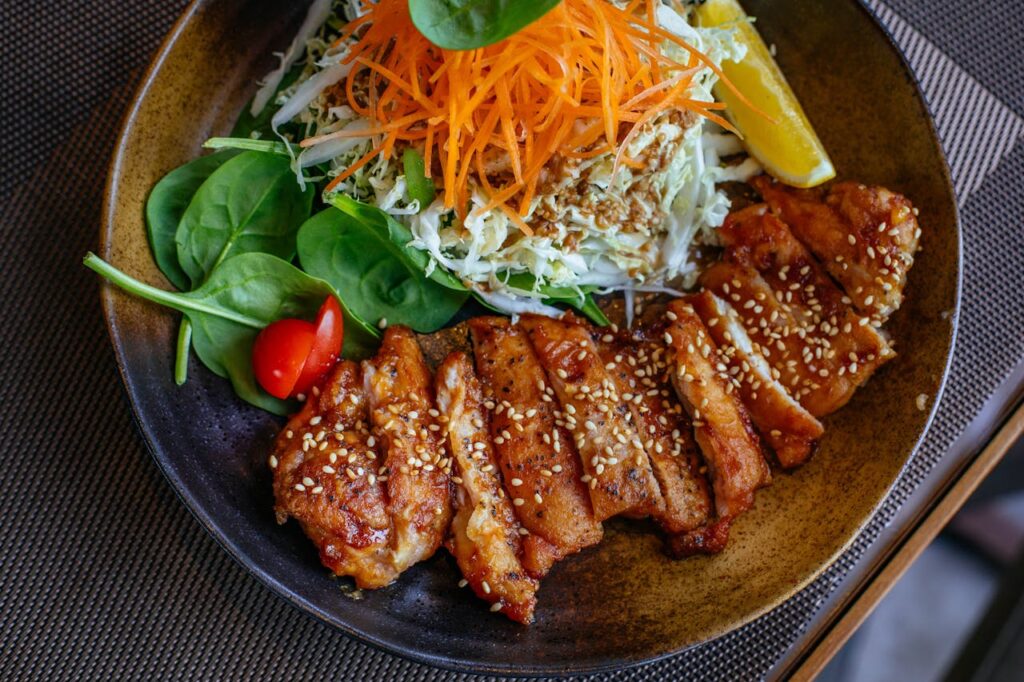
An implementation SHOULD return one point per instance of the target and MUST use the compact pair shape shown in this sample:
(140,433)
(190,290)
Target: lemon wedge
(779,136)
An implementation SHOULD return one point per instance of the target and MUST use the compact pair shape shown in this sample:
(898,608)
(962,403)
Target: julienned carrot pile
(568,84)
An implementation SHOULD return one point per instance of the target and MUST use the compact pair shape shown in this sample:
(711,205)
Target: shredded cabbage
(641,241)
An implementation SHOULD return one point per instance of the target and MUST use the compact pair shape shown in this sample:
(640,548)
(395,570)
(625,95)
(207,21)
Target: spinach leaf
(242,296)
(247,124)
(418,185)
(166,205)
(251,203)
(469,24)
(399,235)
(580,299)
(361,259)
(269,146)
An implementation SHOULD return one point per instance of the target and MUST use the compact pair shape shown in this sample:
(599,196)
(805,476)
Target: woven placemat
(103,574)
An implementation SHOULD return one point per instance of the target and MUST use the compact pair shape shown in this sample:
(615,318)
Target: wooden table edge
(924,533)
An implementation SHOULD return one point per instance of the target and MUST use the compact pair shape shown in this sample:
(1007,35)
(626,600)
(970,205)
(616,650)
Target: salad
(408,156)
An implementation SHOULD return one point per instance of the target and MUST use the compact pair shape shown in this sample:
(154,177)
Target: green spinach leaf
(580,299)
(252,203)
(166,205)
(418,185)
(399,235)
(469,24)
(379,280)
(242,296)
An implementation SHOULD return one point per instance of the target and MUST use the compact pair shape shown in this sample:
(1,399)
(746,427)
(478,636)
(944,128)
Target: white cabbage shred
(485,249)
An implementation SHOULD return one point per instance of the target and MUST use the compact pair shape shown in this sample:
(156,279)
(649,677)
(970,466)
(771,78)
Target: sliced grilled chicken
(821,369)
(400,390)
(539,464)
(618,471)
(789,429)
(641,375)
(485,538)
(325,467)
(722,425)
(865,236)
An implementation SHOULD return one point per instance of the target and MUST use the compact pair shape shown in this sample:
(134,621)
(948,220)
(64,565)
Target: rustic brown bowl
(623,602)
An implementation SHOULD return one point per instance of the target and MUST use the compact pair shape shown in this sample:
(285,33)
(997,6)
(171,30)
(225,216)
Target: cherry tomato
(330,332)
(279,354)
(290,355)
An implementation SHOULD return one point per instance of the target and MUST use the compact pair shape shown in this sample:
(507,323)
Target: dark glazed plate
(621,603)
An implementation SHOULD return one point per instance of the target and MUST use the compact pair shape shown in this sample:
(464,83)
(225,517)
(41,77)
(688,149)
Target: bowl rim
(454,662)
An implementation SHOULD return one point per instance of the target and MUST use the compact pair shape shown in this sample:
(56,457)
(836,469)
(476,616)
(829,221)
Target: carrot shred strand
(577,83)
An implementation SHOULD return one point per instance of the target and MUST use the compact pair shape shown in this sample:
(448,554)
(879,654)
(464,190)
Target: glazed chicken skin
(538,459)
(790,430)
(821,349)
(325,465)
(400,391)
(641,374)
(486,537)
(618,470)
(722,425)
(866,237)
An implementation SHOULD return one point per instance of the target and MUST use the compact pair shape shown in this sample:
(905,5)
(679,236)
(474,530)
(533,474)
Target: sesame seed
(300,487)
(496,606)
(383,324)
(562,374)
(516,481)
(485,586)
(538,498)
(317,490)
(519,502)
(273,462)
(307,481)
(850,238)
(921,401)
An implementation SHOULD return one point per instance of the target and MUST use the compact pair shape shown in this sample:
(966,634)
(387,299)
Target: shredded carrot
(579,82)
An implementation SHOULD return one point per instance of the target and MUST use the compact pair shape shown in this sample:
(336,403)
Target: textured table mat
(103,574)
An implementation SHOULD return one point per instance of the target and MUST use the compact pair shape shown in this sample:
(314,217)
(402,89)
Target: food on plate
(535,450)
(866,238)
(325,464)
(290,355)
(776,131)
(486,538)
(617,471)
(501,164)
(786,426)
(400,392)
(640,369)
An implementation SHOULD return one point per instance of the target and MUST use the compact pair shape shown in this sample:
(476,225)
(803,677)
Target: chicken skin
(325,465)
(400,391)
(485,534)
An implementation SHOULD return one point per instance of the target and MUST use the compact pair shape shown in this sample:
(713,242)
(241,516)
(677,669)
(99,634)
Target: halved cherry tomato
(280,352)
(330,332)
(290,355)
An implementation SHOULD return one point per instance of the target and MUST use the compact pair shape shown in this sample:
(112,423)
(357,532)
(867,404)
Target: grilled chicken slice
(539,464)
(485,538)
(821,360)
(618,471)
(789,429)
(721,423)
(325,476)
(401,399)
(641,375)
(865,236)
